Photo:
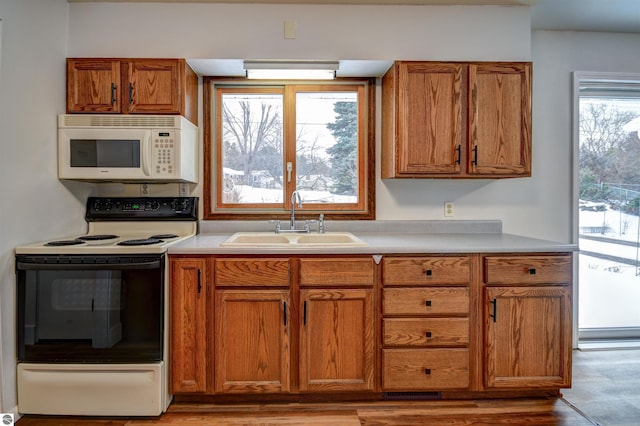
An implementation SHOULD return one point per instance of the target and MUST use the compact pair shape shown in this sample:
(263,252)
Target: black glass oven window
(105,153)
(90,316)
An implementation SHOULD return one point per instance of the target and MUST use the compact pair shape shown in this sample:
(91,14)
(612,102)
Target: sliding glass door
(607,115)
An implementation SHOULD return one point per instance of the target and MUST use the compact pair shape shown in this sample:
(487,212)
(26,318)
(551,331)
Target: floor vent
(416,396)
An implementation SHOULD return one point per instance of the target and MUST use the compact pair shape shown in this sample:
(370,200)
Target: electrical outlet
(184,189)
(448,208)
(144,189)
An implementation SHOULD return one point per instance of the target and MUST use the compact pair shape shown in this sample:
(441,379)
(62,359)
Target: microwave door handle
(146,154)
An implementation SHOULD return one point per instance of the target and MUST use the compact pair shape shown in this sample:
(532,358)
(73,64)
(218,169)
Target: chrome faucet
(295,199)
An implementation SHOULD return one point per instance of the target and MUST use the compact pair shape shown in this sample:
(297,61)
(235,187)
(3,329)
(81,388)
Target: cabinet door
(528,337)
(188,351)
(336,340)
(93,85)
(499,119)
(153,86)
(252,341)
(429,118)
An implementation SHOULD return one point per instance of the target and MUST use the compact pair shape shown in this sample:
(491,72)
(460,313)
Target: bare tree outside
(326,163)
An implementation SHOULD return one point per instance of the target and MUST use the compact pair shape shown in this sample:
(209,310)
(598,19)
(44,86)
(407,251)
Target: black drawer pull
(427,371)
(532,271)
(428,272)
(427,303)
(428,334)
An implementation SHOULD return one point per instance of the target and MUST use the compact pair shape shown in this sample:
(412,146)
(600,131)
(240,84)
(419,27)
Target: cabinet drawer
(427,270)
(425,369)
(336,272)
(516,270)
(426,332)
(426,301)
(252,272)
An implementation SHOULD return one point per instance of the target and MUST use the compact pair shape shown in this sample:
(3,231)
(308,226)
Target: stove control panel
(141,208)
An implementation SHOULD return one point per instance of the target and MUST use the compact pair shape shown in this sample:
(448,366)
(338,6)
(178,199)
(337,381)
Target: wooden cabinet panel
(425,332)
(337,340)
(93,85)
(500,119)
(429,121)
(526,270)
(528,337)
(426,301)
(252,272)
(153,86)
(252,341)
(188,321)
(330,272)
(425,369)
(428,270)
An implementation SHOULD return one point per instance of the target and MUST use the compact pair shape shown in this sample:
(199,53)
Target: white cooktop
(123,231)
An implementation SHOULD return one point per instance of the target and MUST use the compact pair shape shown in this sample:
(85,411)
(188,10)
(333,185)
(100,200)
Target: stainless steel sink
(270,239)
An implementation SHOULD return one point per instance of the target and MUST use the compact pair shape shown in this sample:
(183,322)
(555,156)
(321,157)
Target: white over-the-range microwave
(127,148)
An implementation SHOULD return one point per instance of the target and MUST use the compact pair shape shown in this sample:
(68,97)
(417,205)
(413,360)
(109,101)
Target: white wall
(34,204)
(224,31)
(556,55)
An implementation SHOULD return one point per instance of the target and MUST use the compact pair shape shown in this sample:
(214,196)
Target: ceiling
(574,15)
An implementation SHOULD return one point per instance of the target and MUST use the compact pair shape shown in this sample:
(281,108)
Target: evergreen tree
(343,155)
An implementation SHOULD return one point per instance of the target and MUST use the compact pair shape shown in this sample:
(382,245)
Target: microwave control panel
(163,152)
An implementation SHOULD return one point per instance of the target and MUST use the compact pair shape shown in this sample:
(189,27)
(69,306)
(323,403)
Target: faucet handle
(277,222)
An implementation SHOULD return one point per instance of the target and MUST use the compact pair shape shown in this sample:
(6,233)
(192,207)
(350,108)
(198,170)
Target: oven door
(104,154)
(90,309)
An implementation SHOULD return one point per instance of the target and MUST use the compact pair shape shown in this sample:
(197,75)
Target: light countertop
(388,237)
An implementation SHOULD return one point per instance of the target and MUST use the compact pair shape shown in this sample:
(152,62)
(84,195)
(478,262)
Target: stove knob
(155,205)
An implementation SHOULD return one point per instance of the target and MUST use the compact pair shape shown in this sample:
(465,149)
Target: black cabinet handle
(428,272)
(494,302)
(428,334)
(475,155)
(458,158)
(199,281)
(427,303)
(285,313)
(427,371)
(304,313)
(113,93)
(130,93)
(532,271)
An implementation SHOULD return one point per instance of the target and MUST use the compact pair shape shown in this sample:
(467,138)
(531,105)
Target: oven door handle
(87,266)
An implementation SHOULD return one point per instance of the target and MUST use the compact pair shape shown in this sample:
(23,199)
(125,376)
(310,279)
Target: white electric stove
(93,311)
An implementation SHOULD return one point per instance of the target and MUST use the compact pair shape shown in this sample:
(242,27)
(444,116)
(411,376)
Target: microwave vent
(126,121)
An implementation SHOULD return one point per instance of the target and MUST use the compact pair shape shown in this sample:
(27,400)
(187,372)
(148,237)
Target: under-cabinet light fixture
(291,69)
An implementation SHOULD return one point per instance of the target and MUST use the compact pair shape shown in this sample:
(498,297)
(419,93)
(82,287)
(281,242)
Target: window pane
(609,214)
(327,147)
(252,153)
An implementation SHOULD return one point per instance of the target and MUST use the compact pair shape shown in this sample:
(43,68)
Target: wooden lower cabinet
(477,324)
(528,337)
(425,369)
(425,322)
(188,293)
(337,340)
(252,334)
(528,315)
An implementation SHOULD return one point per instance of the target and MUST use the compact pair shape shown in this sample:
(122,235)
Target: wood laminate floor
(535,412)
(605,392)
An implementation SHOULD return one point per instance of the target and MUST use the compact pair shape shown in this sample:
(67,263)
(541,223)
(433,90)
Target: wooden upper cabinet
(422,119)
(93,85)
(132,86)
(500,119)
(457,119)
